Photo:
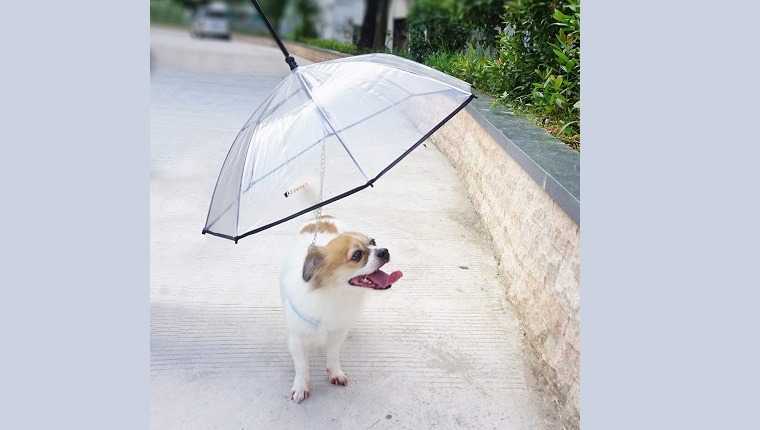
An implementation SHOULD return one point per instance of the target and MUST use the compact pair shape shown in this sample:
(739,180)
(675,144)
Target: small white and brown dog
(323,288)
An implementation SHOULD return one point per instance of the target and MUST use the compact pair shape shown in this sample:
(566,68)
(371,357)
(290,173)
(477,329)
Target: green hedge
(167,12)
(433,27)
(533,65)
(333,45)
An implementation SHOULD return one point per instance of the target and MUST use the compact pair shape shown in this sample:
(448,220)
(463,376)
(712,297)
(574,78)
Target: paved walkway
(439,349)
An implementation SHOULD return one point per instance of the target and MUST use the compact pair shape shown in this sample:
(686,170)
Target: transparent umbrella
(327,131)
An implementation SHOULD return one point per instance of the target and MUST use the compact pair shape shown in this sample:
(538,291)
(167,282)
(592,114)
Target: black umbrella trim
(347,193)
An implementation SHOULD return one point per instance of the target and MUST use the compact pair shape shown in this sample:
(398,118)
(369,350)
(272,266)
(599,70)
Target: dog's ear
(314,258)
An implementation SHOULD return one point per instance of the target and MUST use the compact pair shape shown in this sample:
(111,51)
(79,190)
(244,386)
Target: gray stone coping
(552,164)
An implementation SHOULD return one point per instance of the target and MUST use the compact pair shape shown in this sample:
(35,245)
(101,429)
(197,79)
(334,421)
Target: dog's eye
(372,242)
(357,256)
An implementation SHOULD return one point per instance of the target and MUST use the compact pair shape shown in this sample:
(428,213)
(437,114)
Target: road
(440,349)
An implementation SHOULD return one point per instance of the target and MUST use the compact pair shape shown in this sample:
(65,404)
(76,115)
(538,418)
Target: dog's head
(349,259)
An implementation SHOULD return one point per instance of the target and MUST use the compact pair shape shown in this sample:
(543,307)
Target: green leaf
(565,126)
(561,55)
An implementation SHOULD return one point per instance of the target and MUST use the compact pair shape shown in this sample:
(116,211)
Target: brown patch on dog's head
(326,225)
(341,259)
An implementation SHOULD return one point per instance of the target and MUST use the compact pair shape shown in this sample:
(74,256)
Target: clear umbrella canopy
(363,114)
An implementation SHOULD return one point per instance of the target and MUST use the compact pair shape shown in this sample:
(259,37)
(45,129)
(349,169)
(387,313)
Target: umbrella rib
(262,108)
(251,184)
(409,96)
(277,106)
(357,60)
(261,178)
(335,132)
(323,114)
(361,187)
(417,73)
(242,175)
(425,137)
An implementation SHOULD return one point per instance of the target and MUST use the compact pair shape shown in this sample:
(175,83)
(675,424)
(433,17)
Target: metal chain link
(321,189)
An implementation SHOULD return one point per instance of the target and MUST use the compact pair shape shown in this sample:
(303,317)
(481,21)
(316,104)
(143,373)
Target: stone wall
(538,248)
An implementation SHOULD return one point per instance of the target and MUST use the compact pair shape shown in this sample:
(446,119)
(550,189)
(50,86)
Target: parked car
(211,21)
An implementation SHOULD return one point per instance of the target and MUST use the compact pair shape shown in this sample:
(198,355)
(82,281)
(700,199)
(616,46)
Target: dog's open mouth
(377,280)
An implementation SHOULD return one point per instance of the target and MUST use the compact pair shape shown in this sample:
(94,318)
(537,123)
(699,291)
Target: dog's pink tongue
(383,279)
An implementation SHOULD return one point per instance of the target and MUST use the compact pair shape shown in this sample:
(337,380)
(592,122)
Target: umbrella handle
(288,58)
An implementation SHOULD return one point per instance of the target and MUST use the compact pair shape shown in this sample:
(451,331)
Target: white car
(211,21)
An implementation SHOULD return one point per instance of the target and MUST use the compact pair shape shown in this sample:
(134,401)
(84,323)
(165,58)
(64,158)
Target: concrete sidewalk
(439,349)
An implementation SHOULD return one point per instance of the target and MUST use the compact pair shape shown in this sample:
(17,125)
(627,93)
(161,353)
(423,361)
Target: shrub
(333,45)
(559,89)
(473,67)
(306,10)
(432,27)
(167,12)
(525,45)
(539,57)
(484,17)
(534,66)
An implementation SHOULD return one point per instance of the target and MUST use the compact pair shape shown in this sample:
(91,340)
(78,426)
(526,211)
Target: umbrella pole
(288,58)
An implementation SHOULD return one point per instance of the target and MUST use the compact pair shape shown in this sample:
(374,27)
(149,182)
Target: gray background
(669,216)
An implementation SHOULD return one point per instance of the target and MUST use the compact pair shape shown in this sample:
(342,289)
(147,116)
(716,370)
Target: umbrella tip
(291,62)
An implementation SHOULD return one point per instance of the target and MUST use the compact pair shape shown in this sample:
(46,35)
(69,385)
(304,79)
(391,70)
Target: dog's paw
(299,393)
(337,378)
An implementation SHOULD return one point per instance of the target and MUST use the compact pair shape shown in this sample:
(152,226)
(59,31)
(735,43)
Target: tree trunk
(382,25)
(368,25)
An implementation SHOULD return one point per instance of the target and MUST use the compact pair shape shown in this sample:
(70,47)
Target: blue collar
(308,320)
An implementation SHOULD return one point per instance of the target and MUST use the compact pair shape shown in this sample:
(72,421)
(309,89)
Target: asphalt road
(440,349)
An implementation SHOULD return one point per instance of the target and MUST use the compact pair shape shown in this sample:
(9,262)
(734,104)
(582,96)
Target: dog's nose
(383,254)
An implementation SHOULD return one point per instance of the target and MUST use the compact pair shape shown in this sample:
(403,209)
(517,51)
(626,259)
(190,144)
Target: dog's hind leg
(299,349)
(334,372)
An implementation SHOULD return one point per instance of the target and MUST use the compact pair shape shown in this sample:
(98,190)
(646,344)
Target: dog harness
(308,320)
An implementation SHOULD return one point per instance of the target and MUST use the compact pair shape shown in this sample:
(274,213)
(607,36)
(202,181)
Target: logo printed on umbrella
(296,189)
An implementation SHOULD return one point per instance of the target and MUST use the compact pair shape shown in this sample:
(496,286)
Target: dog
(323,288)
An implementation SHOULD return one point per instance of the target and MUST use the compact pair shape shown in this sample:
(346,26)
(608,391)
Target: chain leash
(321,189)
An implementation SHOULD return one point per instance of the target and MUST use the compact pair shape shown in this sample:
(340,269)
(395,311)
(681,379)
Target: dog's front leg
(334,372)
(299,349)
